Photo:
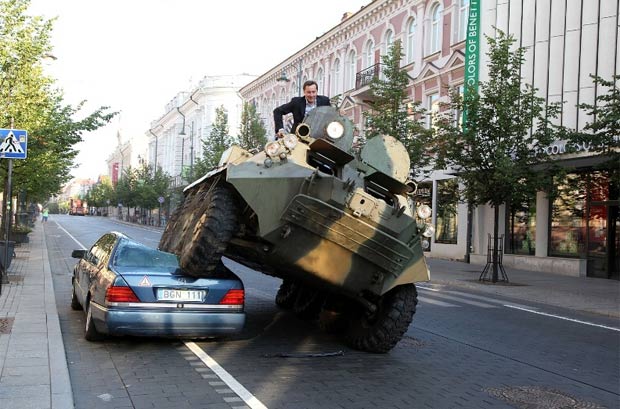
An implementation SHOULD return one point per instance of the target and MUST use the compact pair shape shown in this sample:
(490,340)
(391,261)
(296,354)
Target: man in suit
(299,106)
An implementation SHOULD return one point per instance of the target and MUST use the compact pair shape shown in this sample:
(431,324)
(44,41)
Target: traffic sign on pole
(13,143)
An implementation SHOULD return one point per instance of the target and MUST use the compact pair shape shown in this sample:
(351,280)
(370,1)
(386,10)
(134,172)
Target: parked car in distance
(127,288)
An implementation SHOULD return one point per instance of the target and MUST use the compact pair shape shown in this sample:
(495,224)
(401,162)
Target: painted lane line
(435,302)
(232,383)
(69,234)
(563,318)
(480,297)
(421,287)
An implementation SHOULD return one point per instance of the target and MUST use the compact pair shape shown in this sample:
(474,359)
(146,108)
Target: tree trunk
(495,241)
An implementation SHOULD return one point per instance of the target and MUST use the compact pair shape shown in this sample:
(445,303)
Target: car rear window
(132,254)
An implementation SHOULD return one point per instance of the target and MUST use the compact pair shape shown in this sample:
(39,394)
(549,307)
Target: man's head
(310,89)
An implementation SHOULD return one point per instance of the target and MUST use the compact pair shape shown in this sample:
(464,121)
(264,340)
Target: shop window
(521,227)
(568,218)
(446,225)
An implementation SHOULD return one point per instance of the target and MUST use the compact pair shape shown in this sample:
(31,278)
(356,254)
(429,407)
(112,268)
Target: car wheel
(75,304)
(215,227)
(285,298)
(90,332)
(380,331)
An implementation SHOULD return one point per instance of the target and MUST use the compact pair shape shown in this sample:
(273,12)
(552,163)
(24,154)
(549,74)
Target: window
(463,16)
(369,54)
(320,80)
(389,40)
(521,227)
(351,69)
(458,114)
(282,97)
(435,37)
(411,35)
(446,226)
(568,218)
(336,77)
(432,106)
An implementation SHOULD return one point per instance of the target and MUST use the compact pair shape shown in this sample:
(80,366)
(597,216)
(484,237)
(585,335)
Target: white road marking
(232,383)
(463,300)
(480,297)
(563,318)
(436,302)
(69,234)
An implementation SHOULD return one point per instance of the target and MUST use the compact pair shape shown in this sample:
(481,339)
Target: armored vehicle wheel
(285,298)
(379,332)
(211,234)
(308,303)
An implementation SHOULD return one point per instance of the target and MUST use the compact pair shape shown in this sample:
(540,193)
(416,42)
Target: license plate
(170,294)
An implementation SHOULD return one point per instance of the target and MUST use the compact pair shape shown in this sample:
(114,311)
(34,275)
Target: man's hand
(280,133)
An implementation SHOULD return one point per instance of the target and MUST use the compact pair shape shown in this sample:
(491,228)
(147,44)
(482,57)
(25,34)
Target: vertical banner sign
(472,51)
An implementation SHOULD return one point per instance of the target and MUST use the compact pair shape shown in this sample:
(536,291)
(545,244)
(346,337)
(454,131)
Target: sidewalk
(33,366)
(586,294)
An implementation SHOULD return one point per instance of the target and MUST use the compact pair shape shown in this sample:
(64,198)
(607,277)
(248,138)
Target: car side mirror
(78,253)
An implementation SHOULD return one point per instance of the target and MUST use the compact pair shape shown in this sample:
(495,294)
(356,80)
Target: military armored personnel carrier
(341,229)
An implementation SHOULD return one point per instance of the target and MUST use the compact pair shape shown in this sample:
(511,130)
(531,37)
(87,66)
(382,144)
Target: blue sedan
(126,288)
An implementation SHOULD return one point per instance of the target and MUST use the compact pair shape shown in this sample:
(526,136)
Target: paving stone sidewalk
(33,367)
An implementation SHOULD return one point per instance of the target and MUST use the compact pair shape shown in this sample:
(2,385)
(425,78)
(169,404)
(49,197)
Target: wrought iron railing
(366,75)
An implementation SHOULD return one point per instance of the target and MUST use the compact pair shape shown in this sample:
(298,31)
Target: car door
(93,263)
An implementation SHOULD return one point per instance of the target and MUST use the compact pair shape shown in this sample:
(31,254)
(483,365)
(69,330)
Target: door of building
(603,240)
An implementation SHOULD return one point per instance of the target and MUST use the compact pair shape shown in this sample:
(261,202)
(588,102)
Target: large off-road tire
(75,304)
(287,293)
(381,331)
(308,303)
(212,232)
(90,331)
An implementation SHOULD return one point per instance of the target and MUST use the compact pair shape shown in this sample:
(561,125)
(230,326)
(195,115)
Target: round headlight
(425,244)
(268,162)
(290,141)
(335,130)
(424,211)
(429,230)
(272,148)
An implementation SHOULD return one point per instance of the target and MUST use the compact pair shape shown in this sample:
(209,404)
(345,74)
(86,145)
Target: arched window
(351,69)
(336,77)
(320,80)
(282,97)
(435,37)
(463,14)
(369,54)
(411,35)
(389,40)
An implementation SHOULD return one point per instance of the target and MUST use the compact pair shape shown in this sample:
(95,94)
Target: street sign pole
(7,227)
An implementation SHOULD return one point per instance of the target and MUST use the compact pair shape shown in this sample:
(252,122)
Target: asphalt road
(463,350)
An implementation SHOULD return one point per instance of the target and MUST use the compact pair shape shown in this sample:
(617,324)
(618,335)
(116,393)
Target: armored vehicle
(339,226)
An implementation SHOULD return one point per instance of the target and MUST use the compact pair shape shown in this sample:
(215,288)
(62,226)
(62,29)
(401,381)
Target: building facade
(566,41)
(175,139)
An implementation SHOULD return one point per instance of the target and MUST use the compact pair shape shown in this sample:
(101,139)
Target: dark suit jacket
(297,106)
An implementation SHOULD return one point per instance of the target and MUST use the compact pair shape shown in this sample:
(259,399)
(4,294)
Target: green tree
(497,155)
(218,141)
(393,113)
(101,194)
(252,132)
(28,100)
(602,134)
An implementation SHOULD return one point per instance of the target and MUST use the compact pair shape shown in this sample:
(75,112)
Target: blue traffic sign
(13,143)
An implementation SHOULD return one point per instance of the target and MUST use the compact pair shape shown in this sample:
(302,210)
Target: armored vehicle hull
(342,232)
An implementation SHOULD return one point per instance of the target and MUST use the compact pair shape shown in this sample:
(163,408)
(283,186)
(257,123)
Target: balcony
(362,80)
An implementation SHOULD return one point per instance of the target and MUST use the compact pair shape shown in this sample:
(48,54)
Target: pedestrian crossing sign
(13,143)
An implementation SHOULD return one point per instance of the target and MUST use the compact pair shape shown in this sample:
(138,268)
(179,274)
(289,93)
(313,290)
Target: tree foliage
(393,112)
(142,186)
(28,100)
(252,133)
(218,141)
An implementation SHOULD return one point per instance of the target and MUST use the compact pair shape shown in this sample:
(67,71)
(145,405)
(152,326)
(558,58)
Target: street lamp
(283,78)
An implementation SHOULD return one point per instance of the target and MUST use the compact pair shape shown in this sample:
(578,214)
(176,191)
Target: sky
(136,55)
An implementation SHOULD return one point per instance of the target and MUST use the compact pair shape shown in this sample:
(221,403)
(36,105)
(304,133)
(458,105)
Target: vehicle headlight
(335,130)
(290,141)
(429,230)
(424,211)
(272,148)
(425,244)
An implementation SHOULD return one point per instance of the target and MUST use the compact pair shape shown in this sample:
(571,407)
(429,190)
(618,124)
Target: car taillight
(233,297)
(120,294)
